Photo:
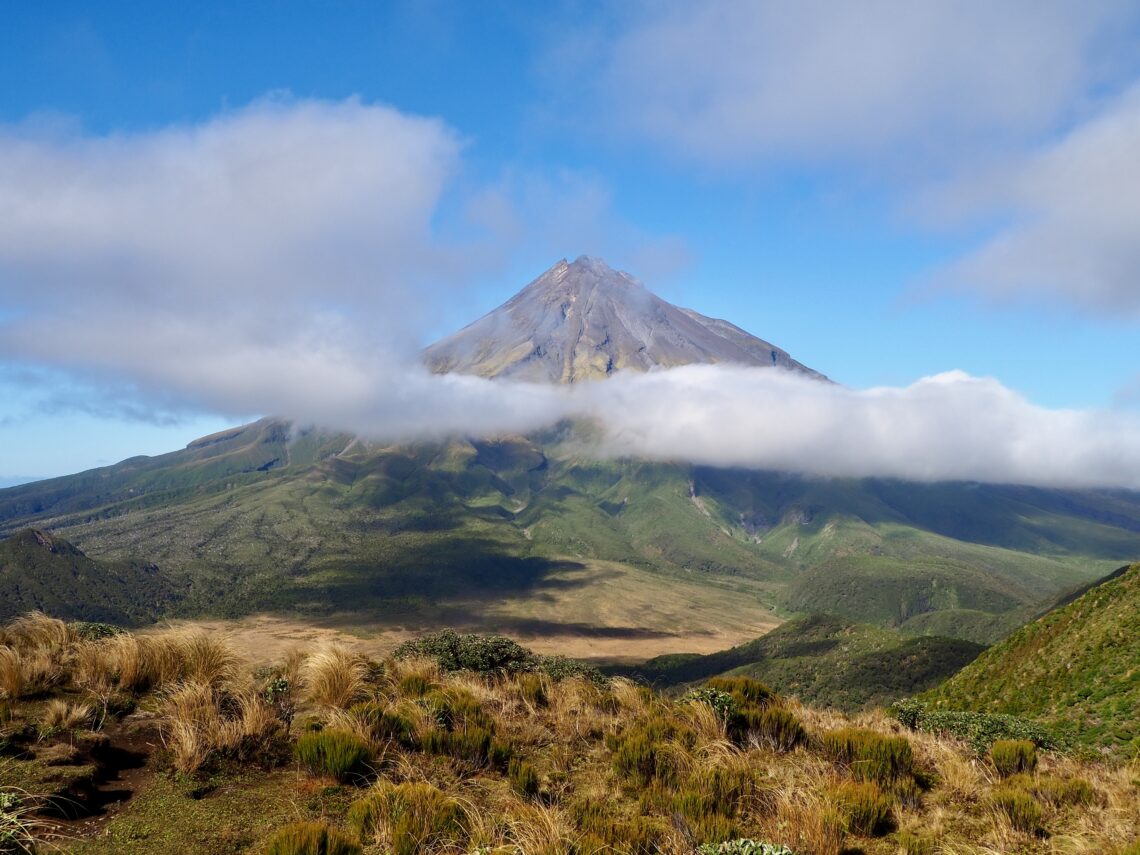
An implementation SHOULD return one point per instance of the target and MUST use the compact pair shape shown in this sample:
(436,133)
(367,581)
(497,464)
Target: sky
(214,212)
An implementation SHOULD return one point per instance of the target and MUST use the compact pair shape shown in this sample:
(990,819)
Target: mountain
(39,571)
(529,534)
(1077,668)
(583,320)
(825,661)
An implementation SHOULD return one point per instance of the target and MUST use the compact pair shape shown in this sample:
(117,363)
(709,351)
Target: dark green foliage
(523,778)
(93,631)
(743,846)
(744,689)
(723,704)
(471,746)
(711,799)
(337,753)
(1012,756)
(311,838)
(384,724)
(485,654)
(418,817)
(825,661)
(870,755)
(415,685)
(1019,806)
(641,754)
(865,808)
(605,830)
(980,730)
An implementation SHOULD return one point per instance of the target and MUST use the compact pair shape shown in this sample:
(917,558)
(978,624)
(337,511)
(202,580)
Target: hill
(825,661)
(275,516)
(1077,668)
(39,571)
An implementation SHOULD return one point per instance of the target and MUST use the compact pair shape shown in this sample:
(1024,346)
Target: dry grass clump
(60,715)
(201,721)
(37,631)
(311,838)
(334,676)
(406,819)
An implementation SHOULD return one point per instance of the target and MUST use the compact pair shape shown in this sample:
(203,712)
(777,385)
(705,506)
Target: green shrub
(722,703)
(337,753)
(773,727)
(865,808)
(311,838)
(715,791)
(1058,792)
(483,653)
(523,778)
(915,844)
(414,685)
(870,755)
(1013,756)
(1020,807)
(641,753)
(980,730)
(408,818)
(744,689)
(743,846)
(385,725)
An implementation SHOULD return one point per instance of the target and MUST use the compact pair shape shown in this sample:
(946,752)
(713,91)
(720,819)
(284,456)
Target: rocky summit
(583,320)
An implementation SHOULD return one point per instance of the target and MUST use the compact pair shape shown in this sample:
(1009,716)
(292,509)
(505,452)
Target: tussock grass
(60,715)
(1013,756)
(870,756)
(334,676)
(407,819)
(338,754)
(311,838)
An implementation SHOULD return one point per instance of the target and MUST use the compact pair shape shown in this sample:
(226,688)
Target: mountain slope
(1076,668)
(826,661)
(40,571)
(583,320)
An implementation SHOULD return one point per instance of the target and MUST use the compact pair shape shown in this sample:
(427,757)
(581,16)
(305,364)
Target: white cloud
(729,82)
(1071,216)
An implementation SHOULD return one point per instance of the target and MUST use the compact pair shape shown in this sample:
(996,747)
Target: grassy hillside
(1077,668)
(166,743)
(268,518)
(826,661)
(39,571)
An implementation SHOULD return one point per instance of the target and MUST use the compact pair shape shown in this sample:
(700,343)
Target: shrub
(715,791)
(1070,791)
(334,676)
(311,838)
(915,844)
(1022,810)
(722,703)
(1012,756)
(743,846)
(744,689)
(774,727)
(337,753)
(408,818)
(870,755)
(642,753)
(471,746)
(385,725)
(483,653)
(523,778)
(980,730)
(415,685)
(865,808)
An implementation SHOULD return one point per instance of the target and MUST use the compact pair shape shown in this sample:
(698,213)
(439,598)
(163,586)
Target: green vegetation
(1013,756)
(265,518)
(825,660)
(980,730)
(1076,670)
(598,766)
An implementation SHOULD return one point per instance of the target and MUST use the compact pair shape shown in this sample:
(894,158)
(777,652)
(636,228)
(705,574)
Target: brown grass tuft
(334,676)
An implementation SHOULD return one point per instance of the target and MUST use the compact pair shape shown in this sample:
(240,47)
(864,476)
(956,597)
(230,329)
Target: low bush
(523,778)
(483,653)
(980,730)
(336,753)
(642,754)
(744,689)
(773,727)
(915,844)
(1013,756)
(410,818)
(414,685)
(1058,792)
(865,808)
(1022,810)
(311,838)
(722,703)
(870,755)
(385,725)
(743,846)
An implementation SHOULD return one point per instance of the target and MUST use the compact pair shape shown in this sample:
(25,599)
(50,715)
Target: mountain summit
(584,320)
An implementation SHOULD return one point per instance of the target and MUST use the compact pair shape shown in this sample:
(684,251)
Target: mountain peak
(584,320)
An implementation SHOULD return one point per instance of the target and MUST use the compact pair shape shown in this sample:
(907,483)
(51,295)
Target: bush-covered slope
(1076,668)
(827,661)
(44,572)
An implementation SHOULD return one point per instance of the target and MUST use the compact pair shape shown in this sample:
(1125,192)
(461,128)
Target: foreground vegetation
(461,744)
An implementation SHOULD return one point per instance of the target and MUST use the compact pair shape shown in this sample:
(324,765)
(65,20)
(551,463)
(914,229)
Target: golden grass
(62,715)
(333,676)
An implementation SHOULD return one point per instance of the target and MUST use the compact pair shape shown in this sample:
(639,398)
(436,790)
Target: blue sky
(888,192)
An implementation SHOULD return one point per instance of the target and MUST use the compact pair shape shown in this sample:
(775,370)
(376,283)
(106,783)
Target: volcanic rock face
(585,320)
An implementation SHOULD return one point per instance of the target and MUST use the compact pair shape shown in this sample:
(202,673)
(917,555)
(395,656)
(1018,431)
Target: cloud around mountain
(281,259)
